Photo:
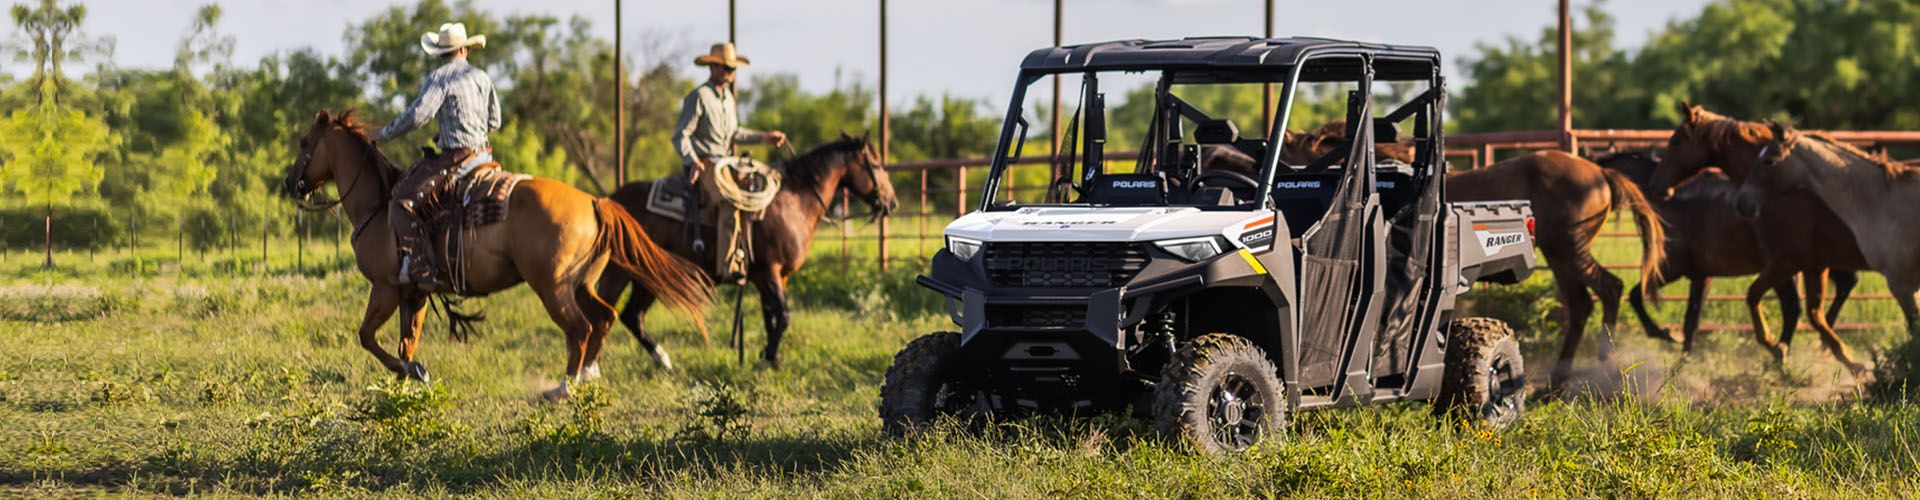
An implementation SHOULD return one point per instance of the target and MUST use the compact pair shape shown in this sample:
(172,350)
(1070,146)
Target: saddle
(737,192)
(476,199)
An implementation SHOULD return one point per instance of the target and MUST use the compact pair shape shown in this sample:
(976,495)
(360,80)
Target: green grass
(202,379)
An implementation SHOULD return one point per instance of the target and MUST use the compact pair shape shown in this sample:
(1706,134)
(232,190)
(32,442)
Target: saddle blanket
(668,197)
(481,193)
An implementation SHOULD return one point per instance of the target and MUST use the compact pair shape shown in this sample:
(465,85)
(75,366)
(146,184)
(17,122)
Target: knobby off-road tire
(919,387)
(1220,393)
(1485,381)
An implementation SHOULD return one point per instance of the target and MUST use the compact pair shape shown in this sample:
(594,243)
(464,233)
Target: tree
(1515,84)
(49,147)
(48,151)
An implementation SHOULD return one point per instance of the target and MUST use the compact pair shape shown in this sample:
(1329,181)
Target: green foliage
(1827,64)
(81,226)
(717,411)
(49,149)
(1529,307)
(776,102)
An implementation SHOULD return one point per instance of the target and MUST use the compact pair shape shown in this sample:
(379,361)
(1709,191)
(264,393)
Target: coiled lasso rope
(727,172)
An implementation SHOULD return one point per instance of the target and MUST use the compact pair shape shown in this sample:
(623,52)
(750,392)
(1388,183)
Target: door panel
(1336,281)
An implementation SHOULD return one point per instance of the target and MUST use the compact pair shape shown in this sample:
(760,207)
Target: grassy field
(197,379)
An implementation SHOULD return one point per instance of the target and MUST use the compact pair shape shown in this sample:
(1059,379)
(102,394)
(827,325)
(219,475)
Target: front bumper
(1067,345)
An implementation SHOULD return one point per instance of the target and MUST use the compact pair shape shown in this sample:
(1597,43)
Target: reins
(373,162)
(826,208)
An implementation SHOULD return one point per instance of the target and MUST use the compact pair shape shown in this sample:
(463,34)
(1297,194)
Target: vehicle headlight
(1191,249)
(962,247)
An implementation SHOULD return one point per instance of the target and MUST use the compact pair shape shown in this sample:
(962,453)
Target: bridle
(305,160)
(872,199)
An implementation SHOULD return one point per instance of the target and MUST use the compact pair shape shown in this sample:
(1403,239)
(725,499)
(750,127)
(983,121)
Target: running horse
(1705,240)
(1797,231)
(1872,196)
(555,239)
(780,239)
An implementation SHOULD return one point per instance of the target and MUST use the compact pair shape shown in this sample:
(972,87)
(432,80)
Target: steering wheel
(1238,182)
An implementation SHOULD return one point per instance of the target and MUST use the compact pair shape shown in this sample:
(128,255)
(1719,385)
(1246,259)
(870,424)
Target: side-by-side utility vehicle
(1216,295)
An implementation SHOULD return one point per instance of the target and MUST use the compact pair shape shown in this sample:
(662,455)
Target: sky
(963,48)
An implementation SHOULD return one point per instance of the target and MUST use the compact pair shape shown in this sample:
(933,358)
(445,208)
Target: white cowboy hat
(452,36)
(722,54)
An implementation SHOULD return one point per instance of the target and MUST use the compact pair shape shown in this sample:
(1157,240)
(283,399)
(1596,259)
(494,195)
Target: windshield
(1131,139)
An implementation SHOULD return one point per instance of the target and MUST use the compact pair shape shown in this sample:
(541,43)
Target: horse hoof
(418,372)
(561,393)
(591,372)
(660,355)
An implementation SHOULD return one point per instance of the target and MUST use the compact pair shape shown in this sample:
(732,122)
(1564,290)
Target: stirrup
(405,278)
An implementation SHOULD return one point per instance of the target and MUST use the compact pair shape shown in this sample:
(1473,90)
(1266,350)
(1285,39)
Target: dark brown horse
(555,239)
(1707,239)
(1797,232)
(780,239)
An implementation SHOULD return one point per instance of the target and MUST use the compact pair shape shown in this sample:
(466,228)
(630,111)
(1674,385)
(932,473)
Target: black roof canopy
(1247,56)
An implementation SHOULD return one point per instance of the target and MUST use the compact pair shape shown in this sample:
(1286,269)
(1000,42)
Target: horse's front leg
(413,314)
(381,302)
(772,286)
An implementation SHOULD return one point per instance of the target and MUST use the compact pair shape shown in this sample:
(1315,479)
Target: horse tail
(1653,233)
(675,280)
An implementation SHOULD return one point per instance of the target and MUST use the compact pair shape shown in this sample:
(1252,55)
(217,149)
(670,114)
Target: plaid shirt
(710,125)
(462,97)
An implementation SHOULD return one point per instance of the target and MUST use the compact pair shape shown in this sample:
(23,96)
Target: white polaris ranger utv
(1215,300)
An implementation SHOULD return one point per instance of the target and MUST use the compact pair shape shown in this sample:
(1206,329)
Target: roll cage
(1288,62)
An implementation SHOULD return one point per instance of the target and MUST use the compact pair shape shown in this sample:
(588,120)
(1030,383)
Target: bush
(1529,307)
(74,227)
(863,289)
(58,303)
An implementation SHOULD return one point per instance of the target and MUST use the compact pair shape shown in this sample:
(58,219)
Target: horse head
(866,175)
(1706,139)
(1771,172)
(330,142)
(302,179)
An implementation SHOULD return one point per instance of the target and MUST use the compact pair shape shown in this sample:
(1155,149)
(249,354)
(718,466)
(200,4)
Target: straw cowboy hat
(452,37)
(724,55)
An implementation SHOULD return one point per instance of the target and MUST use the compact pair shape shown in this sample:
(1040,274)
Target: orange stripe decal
(1261,222)
(1479,227)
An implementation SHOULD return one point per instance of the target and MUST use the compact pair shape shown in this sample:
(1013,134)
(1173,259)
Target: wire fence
(930,195)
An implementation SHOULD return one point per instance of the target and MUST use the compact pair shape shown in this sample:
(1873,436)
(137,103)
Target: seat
(1303,198)
(1127,190)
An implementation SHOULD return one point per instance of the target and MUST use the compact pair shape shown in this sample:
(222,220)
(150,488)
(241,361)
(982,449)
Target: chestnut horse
(1706,239)
(1572,199)
(780,238)
(1797,232)
(555,239)
(1875,197)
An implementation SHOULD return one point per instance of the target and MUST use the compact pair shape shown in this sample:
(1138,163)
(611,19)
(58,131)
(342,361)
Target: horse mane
(1895,170)
(810,169)
(349,121)
(1714,129)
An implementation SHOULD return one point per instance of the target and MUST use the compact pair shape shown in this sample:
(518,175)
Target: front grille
(1036,316)
(1063,265)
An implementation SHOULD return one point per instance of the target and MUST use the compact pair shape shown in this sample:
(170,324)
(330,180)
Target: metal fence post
(920,216)
(300,242)
(846,229)
(959,192)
